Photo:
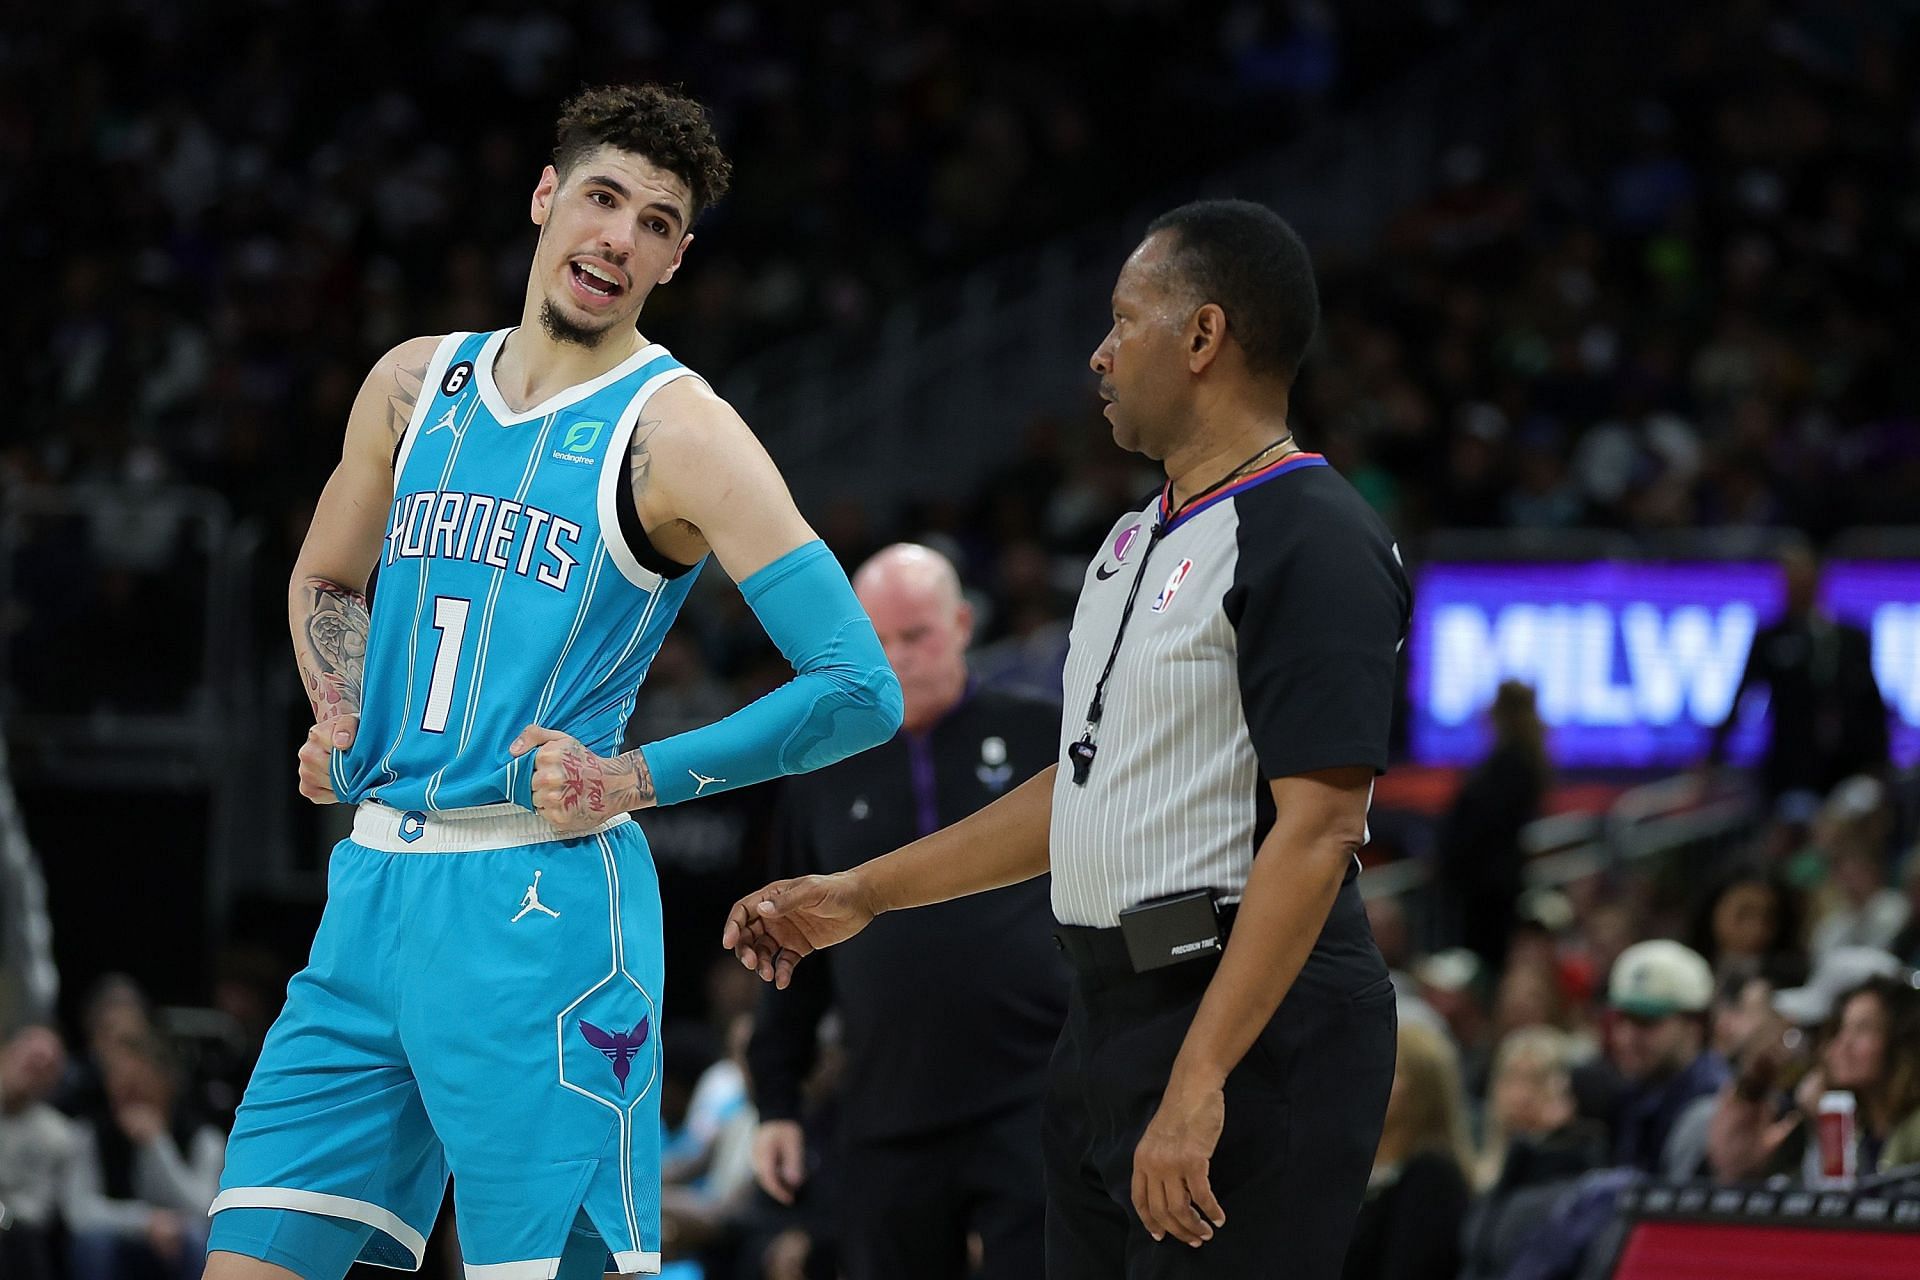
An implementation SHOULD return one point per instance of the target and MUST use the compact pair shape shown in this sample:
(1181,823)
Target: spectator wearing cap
(1659,994)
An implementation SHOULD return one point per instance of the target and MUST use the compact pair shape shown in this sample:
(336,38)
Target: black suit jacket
(949,1011)
(1828,720)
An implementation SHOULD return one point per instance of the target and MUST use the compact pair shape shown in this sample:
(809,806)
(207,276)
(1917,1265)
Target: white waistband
(491,826)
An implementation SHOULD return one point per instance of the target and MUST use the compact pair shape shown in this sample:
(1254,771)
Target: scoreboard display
(1634,663)
(1792,1233)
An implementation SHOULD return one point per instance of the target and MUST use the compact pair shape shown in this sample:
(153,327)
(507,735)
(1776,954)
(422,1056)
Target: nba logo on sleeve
(1162,601)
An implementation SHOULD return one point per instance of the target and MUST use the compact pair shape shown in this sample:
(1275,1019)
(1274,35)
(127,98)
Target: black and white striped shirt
(1262,644)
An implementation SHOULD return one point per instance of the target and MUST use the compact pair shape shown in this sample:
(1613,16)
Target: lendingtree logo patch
(578,443)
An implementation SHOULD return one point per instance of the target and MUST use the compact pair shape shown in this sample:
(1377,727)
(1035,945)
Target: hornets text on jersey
(507,594)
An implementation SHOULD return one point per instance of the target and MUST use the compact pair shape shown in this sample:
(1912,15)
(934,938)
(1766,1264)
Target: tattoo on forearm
(401,399)
(331,647)
(636,780)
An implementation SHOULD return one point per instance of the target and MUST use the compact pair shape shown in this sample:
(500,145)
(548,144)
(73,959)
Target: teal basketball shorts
(482,1001)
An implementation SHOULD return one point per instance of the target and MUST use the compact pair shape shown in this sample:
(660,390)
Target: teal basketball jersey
(507,594)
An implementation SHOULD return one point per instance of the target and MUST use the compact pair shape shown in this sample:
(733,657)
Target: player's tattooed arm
(672,536)
(327,617)
(640,454)
(402,396)
(636,780)
(331,647)
(594,788)
(576,790)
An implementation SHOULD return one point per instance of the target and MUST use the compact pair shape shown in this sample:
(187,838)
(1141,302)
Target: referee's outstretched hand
(772,929)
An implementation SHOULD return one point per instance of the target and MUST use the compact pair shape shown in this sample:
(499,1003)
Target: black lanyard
(1082,752)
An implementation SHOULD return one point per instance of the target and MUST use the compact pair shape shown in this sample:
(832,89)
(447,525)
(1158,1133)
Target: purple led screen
(1633,663)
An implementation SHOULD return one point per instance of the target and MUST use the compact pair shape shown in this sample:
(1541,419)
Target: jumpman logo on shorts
(532,902)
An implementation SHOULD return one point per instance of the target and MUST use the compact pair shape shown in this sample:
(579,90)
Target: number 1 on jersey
(450,620)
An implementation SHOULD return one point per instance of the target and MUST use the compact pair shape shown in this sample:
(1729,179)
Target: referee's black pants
(910,1203)
(1304,1112)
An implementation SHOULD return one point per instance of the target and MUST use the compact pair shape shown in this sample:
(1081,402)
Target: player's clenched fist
(316,756)
(576,790)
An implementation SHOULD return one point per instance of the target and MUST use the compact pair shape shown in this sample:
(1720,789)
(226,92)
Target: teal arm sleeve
(843,697)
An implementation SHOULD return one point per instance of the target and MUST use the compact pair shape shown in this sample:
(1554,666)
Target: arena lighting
(1633,663)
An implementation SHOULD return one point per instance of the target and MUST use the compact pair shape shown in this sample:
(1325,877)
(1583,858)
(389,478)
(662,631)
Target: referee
(1217,1093)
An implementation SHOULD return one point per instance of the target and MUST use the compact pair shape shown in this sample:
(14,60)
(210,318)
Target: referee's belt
(1104,953)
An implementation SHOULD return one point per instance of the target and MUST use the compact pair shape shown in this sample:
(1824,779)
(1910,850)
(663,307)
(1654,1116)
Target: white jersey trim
(490,826)
(613,466)
(429,390)
(497,403)
(632,1263)
(326,1206)
(530,1269)
(625,1262)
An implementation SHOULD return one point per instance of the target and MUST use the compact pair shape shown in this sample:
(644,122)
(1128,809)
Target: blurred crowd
(1670,297)
(111,1149)
(1683,1021)
(1673,296)
(1680,1023)
(218,258)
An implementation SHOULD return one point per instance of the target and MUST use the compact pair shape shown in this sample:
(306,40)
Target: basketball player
(483,997)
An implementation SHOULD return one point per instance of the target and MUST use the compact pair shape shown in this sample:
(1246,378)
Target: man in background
(1660,992)
(939,1141)
(1827,720)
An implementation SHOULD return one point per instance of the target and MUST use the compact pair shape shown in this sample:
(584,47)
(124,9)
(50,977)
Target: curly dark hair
(663,124)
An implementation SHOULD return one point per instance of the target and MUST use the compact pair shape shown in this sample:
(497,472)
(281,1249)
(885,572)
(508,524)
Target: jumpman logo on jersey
(704,781)
(447,421)
(532,902)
